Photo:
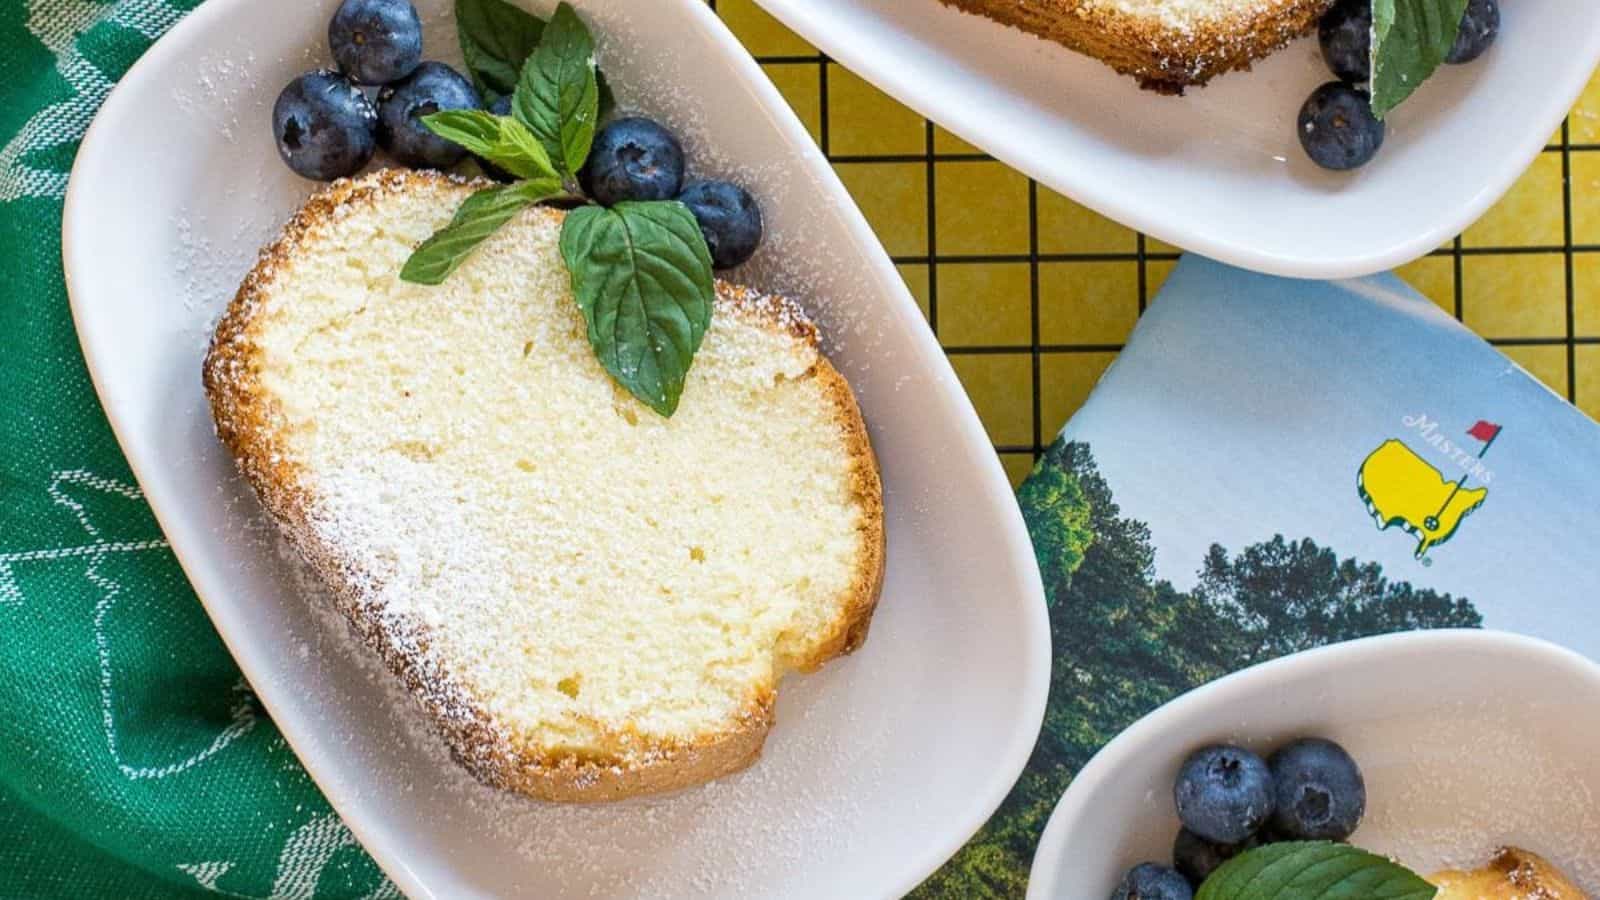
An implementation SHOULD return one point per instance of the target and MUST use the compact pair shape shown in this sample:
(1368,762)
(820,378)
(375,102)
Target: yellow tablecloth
(966,232)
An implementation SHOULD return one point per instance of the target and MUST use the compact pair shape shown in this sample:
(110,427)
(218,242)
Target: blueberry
(1337,126)
(1197,857)
(1148,881)
(1224,793)
(1269,834)
(376,41)
(1479,27)
(324,126)
(434,86)
(729,218)
(1345,34)
(1321,795)
(633,159)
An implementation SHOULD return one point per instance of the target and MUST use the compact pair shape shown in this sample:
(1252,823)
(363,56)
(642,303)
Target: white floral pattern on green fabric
(305,855)
(144,766)
(58,24)
(95,551)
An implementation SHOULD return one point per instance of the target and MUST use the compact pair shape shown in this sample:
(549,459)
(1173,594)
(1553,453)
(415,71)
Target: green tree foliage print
(1125,642)
(1057,514)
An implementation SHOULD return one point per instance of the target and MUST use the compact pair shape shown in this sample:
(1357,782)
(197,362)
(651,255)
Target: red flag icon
(1484,431)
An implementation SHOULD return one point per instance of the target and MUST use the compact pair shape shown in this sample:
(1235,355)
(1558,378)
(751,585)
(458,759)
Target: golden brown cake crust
(248,424)
(1164,59)
(1513,874)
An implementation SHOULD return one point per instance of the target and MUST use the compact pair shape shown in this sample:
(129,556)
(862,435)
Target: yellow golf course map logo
(1401,489)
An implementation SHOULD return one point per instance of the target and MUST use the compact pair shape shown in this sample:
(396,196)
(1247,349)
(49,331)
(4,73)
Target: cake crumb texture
(590,600)
(1167,45)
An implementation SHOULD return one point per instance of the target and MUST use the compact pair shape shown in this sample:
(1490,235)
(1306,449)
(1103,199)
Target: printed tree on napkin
(1126,642)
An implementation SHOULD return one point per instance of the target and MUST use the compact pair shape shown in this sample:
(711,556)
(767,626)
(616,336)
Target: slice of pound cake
(1166,44)
(591,601)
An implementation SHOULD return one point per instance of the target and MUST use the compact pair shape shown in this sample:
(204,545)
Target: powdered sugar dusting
(1435,809)
(1188,15)
(458,465)
(1167,44)
(723,832)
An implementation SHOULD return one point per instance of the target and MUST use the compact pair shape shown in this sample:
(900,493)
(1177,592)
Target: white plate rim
(901,83)
(1043,882)
(77,253)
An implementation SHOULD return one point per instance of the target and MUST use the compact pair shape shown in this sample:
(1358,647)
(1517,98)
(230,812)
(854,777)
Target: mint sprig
(1410,39)
(501,140)
(558,96)
(641,272)
(1313,871)
(479,216)
(642,276)
(496,40)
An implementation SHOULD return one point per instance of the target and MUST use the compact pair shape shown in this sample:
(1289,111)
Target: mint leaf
(608,100)
(496,39)
(642,276)
(479,216)
(1313,871)
(1410,38)
(500,139)
(558,94)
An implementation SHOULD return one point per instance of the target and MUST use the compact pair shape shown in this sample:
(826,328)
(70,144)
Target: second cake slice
(1166,44)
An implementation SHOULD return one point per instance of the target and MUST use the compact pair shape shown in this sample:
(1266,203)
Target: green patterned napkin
(137,762)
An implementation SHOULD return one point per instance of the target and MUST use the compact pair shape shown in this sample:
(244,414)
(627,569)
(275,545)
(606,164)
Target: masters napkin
(134,760)
(1272,465)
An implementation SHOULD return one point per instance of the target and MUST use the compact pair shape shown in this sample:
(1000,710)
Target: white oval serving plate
(1468,740)
(1221,171)
(881,765)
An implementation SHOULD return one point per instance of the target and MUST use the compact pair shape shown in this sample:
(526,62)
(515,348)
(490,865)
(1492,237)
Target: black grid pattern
(1147,254)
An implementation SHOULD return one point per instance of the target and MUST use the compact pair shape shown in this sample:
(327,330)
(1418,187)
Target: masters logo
(1402,489)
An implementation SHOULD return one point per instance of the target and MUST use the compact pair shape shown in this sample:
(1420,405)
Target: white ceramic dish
(1221,171)
(1469,740)
(880,767)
